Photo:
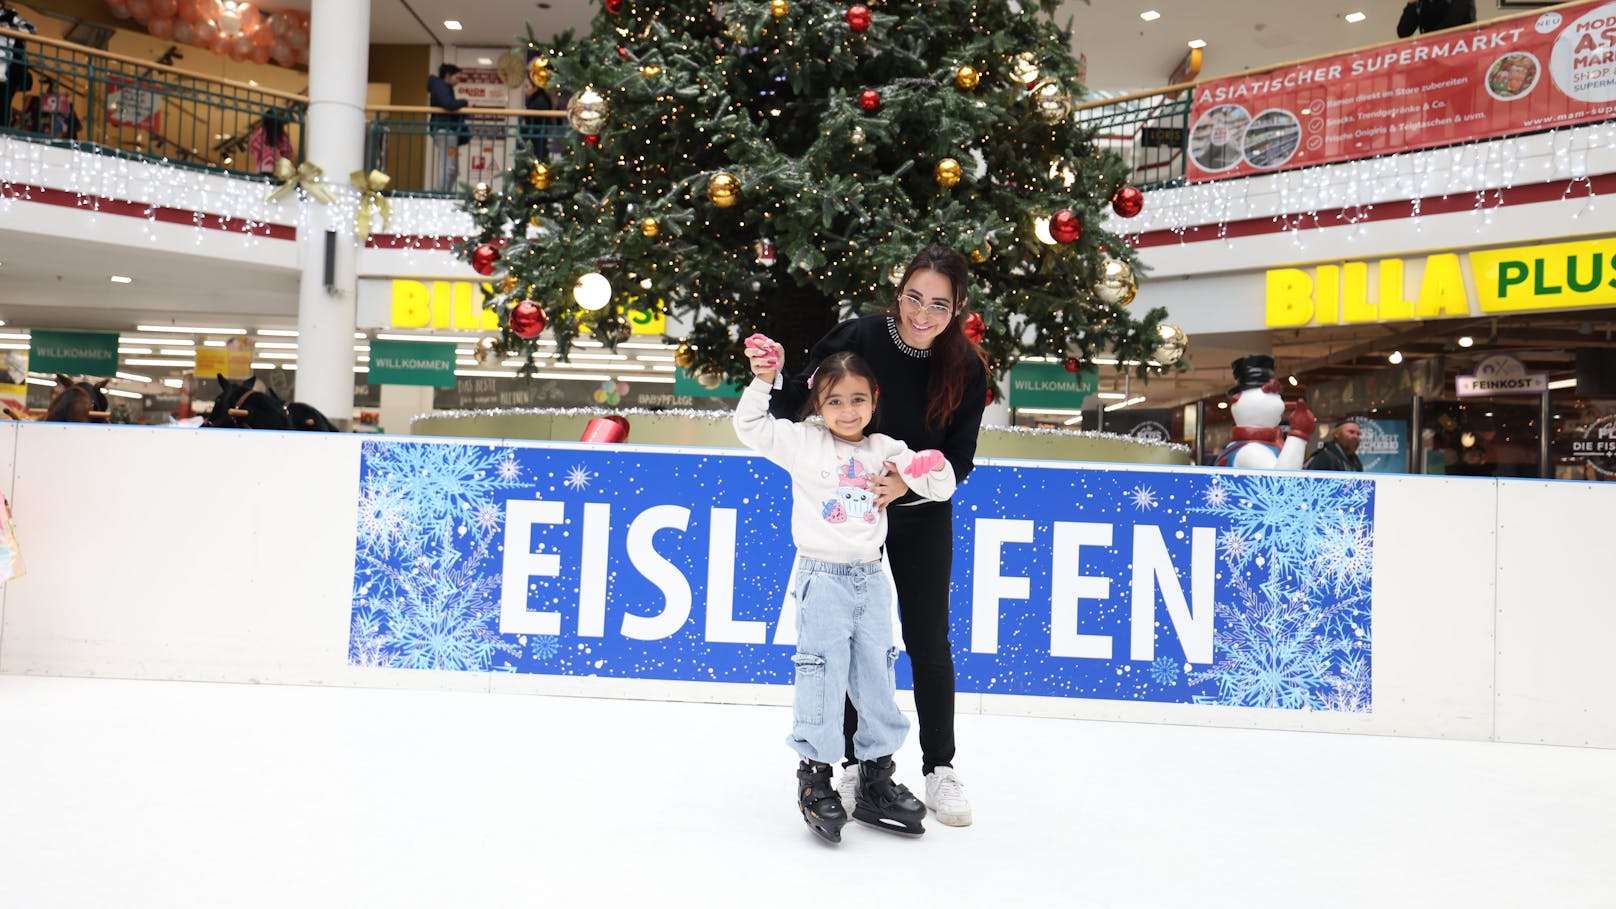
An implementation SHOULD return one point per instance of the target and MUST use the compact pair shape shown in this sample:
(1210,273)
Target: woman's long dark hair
(952,352)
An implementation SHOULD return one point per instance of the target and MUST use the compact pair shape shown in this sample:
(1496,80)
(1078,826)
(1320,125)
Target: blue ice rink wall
(1186,587)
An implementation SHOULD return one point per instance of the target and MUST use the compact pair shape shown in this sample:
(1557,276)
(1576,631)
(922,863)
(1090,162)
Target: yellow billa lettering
(469,314)
(1393,303)
(1289,298)
(1355,305)
(412,304)
(1442,290)
(1328,294)
(1555,276)
(442,301)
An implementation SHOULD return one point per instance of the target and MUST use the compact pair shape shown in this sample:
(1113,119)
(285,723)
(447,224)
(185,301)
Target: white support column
(334,140)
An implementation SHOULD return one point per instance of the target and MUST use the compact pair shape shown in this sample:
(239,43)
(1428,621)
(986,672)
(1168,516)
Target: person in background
(1340,451)
(1427,16)
(14,77)
(535,129)
(269,142)
(448,128)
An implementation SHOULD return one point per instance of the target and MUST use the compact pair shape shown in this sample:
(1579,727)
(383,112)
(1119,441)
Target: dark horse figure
(247,406)
(77,402)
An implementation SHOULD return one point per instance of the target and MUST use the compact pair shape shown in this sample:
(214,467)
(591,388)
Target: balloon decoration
(237,29)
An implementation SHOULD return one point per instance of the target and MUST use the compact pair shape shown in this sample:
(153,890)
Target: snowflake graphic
(441,612)
(1216,495)
(507,468)
(578,478)
(545,646)
(1286,518)
(1164,671)
(1143,499)
(488,517)
(1234,548)
(1274,653)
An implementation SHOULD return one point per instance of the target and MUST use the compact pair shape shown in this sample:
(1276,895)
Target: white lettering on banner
(1152,564)
(659,571)
(1068,587)
(722,626)
(592,582)
(522,563)
(988,587)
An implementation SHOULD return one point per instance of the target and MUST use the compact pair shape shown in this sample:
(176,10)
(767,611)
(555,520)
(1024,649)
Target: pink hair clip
(811,378)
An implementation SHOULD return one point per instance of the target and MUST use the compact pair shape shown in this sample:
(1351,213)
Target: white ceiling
(1124,52)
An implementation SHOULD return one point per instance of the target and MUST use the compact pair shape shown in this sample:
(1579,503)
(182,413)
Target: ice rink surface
(134,794)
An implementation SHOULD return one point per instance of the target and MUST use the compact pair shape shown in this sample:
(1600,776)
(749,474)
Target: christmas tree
(772,165)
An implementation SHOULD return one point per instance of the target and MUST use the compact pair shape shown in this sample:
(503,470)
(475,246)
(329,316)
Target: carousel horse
(247,406)
(77,402)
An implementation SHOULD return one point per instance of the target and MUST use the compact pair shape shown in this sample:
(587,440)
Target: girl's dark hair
(952,352)
(833,369)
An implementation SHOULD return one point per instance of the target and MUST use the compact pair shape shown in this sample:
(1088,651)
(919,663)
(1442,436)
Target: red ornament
(870,100)
(1065,226)
(614,6)
(527,320)
(622,51)
(990,394)
(592,140)
(975,329)
(1128,201)
(1071,364)
(483,259)
(606,429)
(858,17)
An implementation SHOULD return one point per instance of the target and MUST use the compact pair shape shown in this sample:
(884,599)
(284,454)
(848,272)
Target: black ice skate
(885,804)
(821,806)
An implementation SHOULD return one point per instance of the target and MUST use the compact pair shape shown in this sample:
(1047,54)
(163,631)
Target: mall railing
(86,97)
(412,145)
(1149,130)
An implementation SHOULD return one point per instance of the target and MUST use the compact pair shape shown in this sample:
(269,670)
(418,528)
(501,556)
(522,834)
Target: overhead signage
(1553,276)
(457,306)
(1524,74)
(430,363)
(80,353)
(1050,385)
(1501,374)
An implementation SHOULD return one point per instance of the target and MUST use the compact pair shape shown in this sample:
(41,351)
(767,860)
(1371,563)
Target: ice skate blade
(829,832)
(891,825)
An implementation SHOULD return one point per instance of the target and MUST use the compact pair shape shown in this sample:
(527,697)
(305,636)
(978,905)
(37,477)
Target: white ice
(134,794)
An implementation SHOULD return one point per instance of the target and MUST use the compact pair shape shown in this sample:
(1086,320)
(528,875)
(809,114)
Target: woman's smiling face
(925,307)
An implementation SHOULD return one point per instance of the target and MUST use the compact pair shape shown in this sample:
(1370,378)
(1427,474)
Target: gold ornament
(588,111)
(684,356)
(966,78)
(649,227)
(981,253)
(487,349)
(779,8)
(947,172)
(724,189)
(856,136)
(650,71)
(508,284)
(1024,68)
(708,379)
(1173,344)
(1116,285)
(538,70)
(481,192)
(1050,103)
(541,176)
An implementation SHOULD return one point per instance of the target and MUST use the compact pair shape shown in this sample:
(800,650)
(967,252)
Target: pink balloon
(260,54)
(261,37)
(184,32)
(165,9)
(140,9)
(277,24)
(118,8)
(250,17)
(205,33)
(240,46)
(221,45)
(160,28)
(298,40)
(189,11)
(281,53)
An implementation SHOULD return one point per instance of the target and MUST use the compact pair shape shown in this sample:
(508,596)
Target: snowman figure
(1258,443)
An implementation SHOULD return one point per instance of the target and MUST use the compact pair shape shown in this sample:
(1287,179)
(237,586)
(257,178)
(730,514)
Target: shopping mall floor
(168,794)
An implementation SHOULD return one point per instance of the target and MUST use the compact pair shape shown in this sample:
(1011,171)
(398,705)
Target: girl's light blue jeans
(844,649)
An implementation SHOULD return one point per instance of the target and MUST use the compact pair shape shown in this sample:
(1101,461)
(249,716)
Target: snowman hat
(1251,371)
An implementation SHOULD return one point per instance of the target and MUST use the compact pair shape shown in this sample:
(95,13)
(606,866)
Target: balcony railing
(1149,130)
(429,153)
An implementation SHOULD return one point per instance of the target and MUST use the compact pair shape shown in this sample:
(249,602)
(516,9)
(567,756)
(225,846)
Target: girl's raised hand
(764,356)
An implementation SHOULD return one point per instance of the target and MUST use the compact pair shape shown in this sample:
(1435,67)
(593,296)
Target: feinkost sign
(1523,74)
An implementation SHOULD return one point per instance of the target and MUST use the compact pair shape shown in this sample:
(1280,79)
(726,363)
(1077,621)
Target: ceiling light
(1293,381)
(452,25)
(187,330)
(277,332)
(485,61)
(1466,341)
(1128,403)
(1150,15)
(452,339)
(1223,405)
(1558,384)
(122,279)
(1356,17)
(1110,396)
(120,393)
(131,377)
(1395,358)
(1197,43)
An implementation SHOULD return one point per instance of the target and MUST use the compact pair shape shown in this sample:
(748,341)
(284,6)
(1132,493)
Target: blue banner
(1383,445)
(1177,586)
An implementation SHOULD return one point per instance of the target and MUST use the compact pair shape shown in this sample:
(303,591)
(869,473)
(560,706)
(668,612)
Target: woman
(933,385)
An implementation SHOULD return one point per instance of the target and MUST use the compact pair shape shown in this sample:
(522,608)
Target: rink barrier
(242,557)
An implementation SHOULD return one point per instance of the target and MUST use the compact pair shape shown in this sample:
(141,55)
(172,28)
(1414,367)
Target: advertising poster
(1183,586)
(133,104)
(14,381)
(1383,446)
(1521,75)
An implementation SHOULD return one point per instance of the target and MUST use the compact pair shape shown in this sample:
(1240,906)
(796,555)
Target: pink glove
(924,461)
(762,343)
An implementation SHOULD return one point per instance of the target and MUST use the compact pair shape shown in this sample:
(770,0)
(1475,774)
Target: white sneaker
(847,787)
(945,795)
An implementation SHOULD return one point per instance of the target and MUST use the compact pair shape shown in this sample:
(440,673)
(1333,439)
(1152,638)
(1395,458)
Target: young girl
(844,621)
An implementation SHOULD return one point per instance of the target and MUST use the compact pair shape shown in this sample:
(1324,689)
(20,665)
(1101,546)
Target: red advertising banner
(1520,75)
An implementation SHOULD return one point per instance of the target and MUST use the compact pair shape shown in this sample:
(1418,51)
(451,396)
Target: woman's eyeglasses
(915,304)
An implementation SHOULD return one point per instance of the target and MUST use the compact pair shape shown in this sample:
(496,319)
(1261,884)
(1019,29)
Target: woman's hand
(887,486)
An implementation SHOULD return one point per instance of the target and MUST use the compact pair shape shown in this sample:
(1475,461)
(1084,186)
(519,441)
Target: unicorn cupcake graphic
(853,501)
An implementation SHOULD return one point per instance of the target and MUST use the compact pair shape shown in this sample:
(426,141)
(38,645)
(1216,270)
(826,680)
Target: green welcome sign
(1050,385)
(86,353)
(412,363)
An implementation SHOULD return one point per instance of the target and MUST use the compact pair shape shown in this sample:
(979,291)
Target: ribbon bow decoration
(371,185)
(305,176)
